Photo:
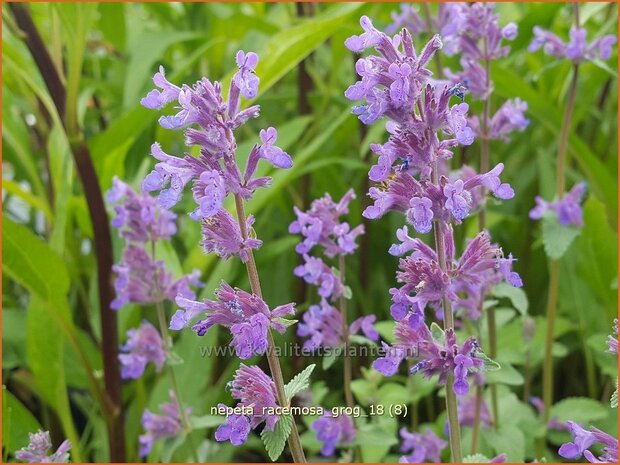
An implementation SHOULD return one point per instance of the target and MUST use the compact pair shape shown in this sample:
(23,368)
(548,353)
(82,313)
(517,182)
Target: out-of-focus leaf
(17,421)
(581,410)
(556,237)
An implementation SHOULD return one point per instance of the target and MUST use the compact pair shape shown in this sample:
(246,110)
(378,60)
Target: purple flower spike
(39,445)
(253,388)
(567,209)
(164,426)
(144,345)
(245,78)
(322,325)
(333,431)
(274,155)
(577,49)
(221,235)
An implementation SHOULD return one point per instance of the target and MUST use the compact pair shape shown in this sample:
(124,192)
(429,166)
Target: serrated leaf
(275,440)
(489,364)
(614,397)
(285,321)
(509,440)
(578,409)
(437,333)
(517,296)
(300,382)
(557,238)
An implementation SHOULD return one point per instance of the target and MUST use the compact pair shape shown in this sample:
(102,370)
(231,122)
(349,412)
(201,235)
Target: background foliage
(51,330)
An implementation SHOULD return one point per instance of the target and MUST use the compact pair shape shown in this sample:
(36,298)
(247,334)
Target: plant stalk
(430,27)
(448,323)
(294,442)
(348,395)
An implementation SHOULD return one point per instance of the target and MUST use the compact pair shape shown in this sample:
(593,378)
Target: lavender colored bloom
(423,447)
(253,388)
(582,440)
(38,448)
(467,412)
(315,271)
(246,315)
(142,280)
(221,235)
(321,225)
(144,345)
(209,123)
(137,216)
(236,430)
(366,325)
(167,425)
(577,49)
(567,209)
(435,357)
(333,431)
(508,119)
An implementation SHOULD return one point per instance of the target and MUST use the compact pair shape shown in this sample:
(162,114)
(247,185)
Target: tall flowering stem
(294,442)
(348,376)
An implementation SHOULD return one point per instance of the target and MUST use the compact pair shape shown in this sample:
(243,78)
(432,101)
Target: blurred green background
(107,54)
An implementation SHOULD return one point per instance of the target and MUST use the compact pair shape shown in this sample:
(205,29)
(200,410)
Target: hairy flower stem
(448,323)
(165,335)
(554,269)
(294,442)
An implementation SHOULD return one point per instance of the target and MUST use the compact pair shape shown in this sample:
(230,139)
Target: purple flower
(209,193)
(333,431)
(366,324)
(246,315)
(422,447)
(577,49)
(144,345)
(612,340)
(245,79)
(156,99)
(167,425)
(321,225)
(236,429)
(510,31)
(221,235)
(567,209)
(142,280)
(420,214)
(509,118)
(38,448)
(137,216)
(582,440)
(270,152)
(467,412)
(315,271)
(322,324)
(253,388)
(458,200)
(369,38)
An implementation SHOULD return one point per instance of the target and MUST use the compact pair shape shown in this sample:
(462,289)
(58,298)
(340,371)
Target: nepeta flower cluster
(141,222)
(246,315)
(567,209)
(424,129)
(209,122)
(465,281)
(254,389)
(144,345)
(167,425)
(38,448)
(321,226)
(334,431)
(423,447)
(577,49)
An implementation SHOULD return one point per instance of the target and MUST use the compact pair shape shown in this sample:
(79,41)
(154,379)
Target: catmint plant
(423,447)
(38,449)
(424,128)
(209,122)
(565,209)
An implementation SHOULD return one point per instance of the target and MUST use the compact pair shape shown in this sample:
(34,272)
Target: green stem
(448,324)
(430,27)
(294,442)
(348,394)
(476,426)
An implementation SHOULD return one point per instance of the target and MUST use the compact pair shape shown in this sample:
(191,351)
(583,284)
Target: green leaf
(508,440)
(557,238)
(17,421)
(578,409)
(205,421)
(506,375)
(329,359)
(375,439)
(517,296)
(275,440)
(614,397)
(300,382)
(285,322)
(437,333)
